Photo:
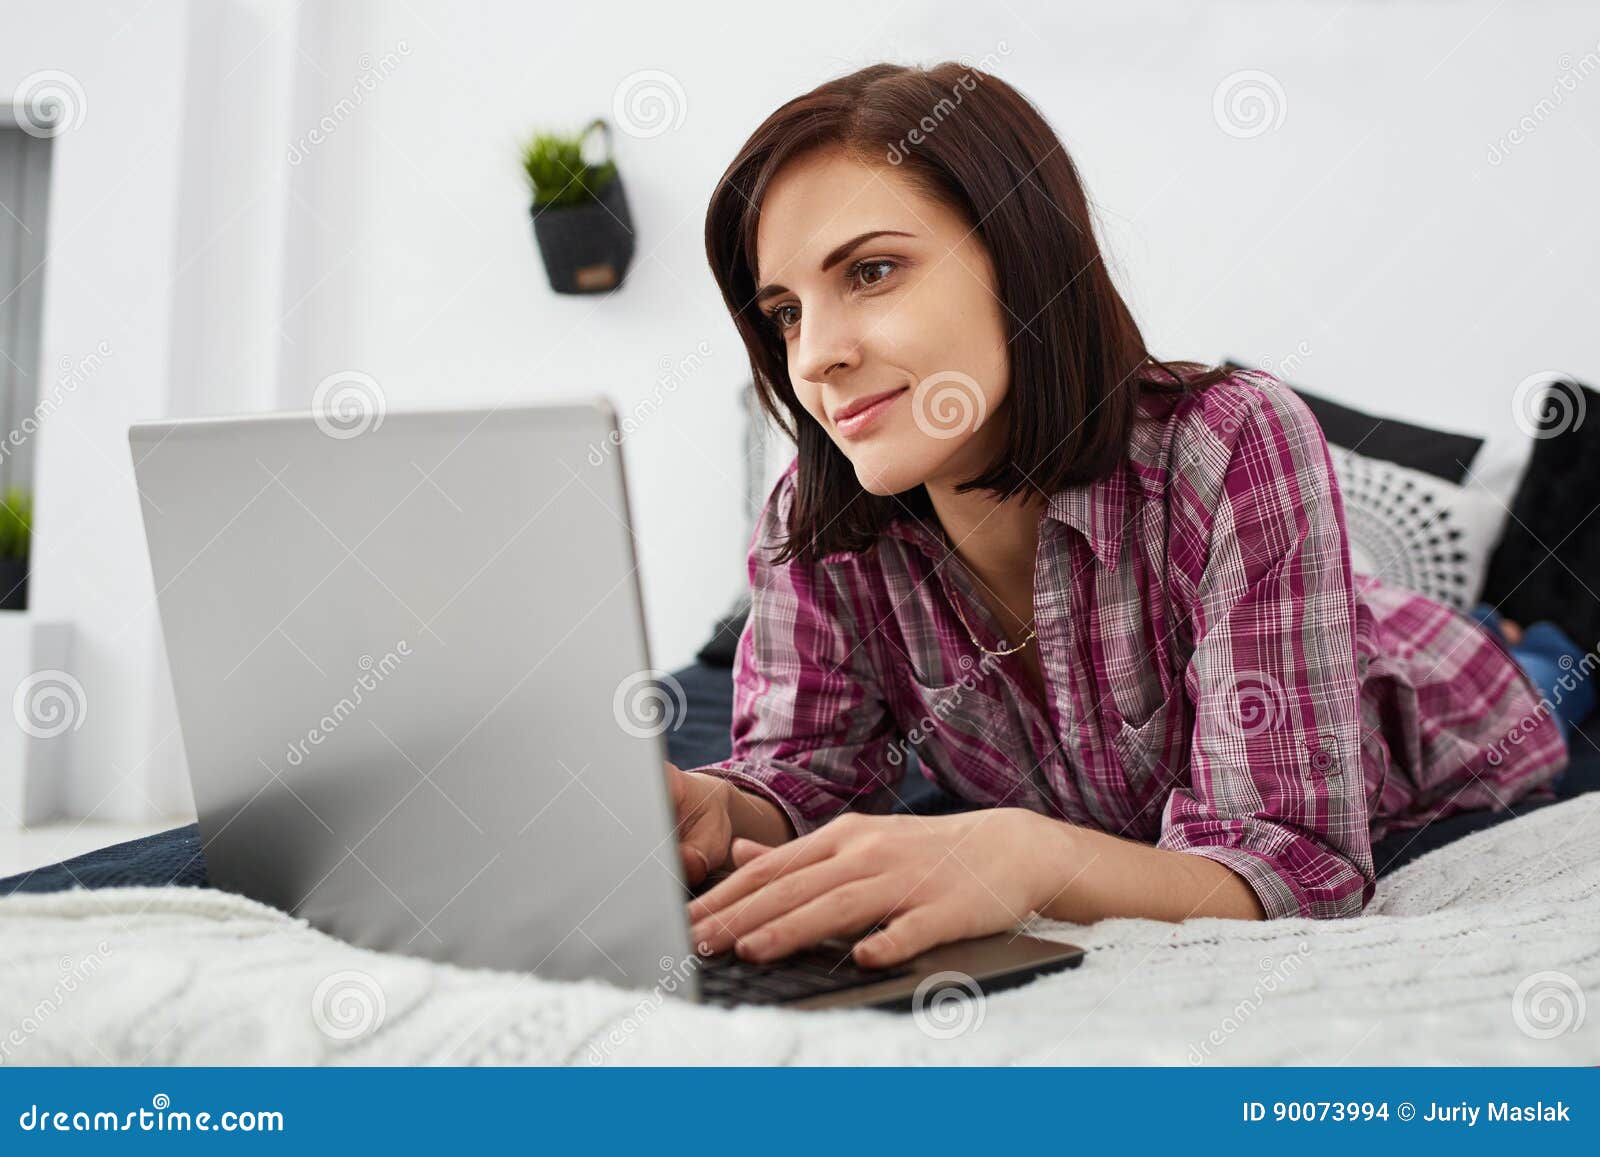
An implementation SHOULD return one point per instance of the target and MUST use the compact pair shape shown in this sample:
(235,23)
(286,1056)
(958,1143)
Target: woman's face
(910,316)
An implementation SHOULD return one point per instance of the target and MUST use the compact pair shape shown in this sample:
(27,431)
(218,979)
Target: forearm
(757,818)
(1085,875)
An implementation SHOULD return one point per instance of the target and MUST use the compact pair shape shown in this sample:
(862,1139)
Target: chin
(891,466)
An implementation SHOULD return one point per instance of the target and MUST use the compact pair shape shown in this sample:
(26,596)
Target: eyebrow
(833,258)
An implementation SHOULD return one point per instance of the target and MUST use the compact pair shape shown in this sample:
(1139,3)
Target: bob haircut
(1077,359)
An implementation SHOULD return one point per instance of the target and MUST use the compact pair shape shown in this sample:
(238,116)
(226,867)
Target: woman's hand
(705,820)
(712,811)
(927,880)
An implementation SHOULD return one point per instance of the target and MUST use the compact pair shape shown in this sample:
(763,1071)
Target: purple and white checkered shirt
(1219,680)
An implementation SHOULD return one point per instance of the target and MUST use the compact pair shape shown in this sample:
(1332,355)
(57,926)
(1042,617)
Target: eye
(859,269)
(777,318)
(855,274)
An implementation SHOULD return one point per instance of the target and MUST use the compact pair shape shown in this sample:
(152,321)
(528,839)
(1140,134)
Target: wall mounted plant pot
(587,247)
(13,584)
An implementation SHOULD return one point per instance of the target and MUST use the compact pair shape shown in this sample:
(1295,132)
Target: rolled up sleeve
(1277,791)
(811,729)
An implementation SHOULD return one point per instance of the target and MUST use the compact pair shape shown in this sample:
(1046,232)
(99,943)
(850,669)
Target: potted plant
(16,523)
(580,214)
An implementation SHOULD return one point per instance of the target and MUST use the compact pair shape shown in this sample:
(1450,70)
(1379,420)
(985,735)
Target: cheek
(810,396)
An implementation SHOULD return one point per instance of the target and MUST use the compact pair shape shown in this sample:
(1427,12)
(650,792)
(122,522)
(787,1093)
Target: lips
(849,409)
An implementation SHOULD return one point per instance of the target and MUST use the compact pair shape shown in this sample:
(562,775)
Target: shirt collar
(1098,510)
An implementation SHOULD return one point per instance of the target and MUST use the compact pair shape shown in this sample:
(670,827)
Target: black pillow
(1547,565)
(719,650)
(1437,452)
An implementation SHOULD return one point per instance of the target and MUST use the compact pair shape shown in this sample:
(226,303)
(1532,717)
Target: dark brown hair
(1078,361)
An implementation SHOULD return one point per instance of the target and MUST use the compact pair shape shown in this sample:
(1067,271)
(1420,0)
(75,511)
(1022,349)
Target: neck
(998,540)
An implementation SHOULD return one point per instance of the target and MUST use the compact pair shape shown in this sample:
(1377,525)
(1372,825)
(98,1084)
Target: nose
(828,342)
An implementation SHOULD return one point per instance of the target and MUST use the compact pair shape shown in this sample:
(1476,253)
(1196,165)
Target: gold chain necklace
(956,603)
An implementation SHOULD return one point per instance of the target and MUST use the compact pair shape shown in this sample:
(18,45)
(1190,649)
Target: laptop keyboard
(726,979)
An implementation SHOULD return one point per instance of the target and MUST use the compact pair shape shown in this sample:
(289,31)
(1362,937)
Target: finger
(792,856)
(847,908)
(719,930)
(703,847)
(695,865)
(677,784)
(913,931)
(744,850)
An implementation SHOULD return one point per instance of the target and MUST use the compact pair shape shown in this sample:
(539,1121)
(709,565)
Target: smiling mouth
(854,414)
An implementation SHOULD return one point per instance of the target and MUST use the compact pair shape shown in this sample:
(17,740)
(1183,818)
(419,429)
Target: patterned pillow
(1414,529)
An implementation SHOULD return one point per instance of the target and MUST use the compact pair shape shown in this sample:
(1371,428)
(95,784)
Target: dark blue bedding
(702,736)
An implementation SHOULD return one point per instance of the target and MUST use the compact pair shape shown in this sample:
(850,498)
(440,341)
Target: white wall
(1367,241)
(112,229)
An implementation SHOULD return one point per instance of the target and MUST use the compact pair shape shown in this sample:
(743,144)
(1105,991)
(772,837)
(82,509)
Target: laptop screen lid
(413,682)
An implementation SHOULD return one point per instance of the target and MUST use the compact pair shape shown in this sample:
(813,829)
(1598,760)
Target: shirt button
(1321,758)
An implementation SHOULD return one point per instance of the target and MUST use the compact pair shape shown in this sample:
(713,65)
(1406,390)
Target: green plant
(558,173)
(16,522)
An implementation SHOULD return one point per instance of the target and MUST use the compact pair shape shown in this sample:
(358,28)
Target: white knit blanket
(1486,951)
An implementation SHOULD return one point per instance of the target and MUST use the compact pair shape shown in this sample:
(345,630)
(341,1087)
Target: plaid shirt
(1219,681)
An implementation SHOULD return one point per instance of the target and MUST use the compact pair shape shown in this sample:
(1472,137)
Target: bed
(1483,951)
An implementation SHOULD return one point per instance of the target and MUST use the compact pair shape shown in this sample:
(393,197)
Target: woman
(1106,598)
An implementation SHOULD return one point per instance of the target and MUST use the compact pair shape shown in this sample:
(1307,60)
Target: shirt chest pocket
(1153,751)
(971,741)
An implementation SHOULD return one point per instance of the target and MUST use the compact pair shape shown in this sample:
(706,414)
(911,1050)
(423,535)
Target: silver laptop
(414,692)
